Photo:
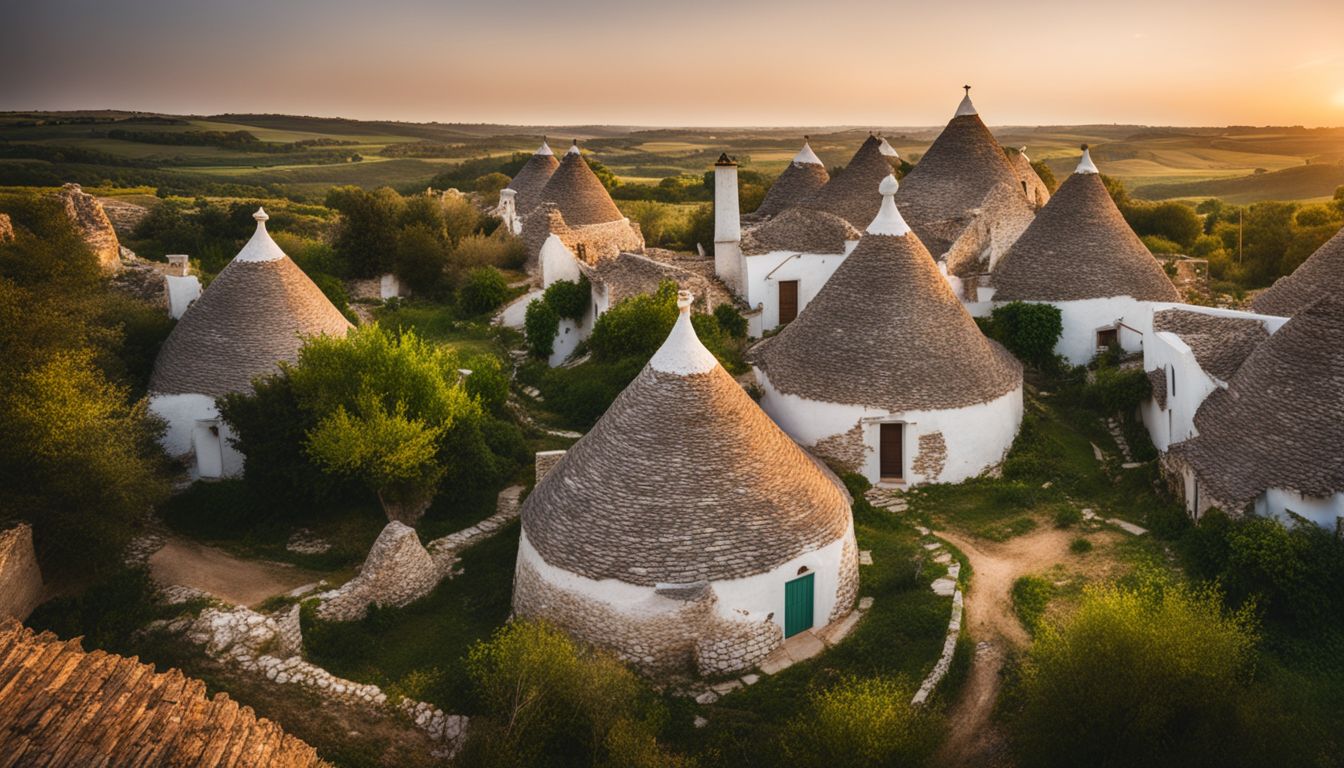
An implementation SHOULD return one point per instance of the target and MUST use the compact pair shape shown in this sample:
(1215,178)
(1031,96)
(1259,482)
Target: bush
(488,381)
(731,321)
(1117,390)
(541,324)
(583,393)
(552,702)
(862,722)
(568,298)
(636,326)
(107,615)
(420,258)
(482,291)
(1067,517)
(1160,245)
(1029,331)
(1148,676)
(1031,596)
(1080,546)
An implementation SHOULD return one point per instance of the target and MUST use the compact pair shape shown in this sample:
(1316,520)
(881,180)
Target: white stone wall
(181,290)
(765,271)
(557,262)
(1082,320)
(182,414)
(1278,502)
(975,438)
(1187,387)
(731,627)
(514,314)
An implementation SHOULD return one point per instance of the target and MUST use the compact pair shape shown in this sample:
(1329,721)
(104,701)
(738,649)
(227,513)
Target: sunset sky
(686,62)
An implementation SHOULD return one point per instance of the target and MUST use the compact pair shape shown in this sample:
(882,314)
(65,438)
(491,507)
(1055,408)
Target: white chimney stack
(727,224)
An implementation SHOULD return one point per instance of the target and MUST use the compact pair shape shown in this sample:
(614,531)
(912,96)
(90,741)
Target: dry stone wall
(932,456)
(846,450)
(20,578)
(691,638)
(397,571)
(848,589)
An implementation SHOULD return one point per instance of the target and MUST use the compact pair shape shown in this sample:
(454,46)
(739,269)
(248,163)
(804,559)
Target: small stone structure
(20,578)
(6,228)
(88,215)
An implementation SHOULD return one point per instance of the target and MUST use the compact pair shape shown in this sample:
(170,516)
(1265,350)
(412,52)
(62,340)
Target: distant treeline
(240,140)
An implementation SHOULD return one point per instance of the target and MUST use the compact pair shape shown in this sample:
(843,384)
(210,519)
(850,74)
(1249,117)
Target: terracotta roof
(798,182)
(886,331)
(801,230)
(1080,247)
(1280,422)
(1220,343)
(253,315)
(684,479)
(1321,274)
(953,177)
(852,193)
(578,194)
(61,706)
(532,177)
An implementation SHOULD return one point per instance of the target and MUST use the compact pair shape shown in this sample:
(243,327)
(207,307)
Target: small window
(1108,337)
(1171,388)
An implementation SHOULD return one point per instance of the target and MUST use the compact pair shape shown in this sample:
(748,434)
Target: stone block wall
(931,456)
(846,450)
(848,590)
(546,461)
(20,578)
(692,637)
(397,571)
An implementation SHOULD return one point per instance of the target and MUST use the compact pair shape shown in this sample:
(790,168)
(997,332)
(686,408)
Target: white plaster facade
(1084,319)
(182,290)
(753,599)
(762,274)
(1285,504)
(197,435)
(976,437)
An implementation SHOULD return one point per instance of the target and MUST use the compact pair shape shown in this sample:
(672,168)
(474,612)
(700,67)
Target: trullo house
(1080,255)
(255,314)
(885,372)
(522,194)
(575,208)
(686,531)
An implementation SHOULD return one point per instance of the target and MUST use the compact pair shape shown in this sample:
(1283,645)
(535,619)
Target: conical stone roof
(578,194)
(1078,247)
(1032,184)
(800,229)
(851,194)
(532,178)
(1322,274)
(254,314)
(1280,422)
(804,176)
(886,331)
(683,480)
(955,175)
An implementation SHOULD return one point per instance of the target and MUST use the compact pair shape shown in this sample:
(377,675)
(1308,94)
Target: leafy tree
(489,185)
(366,233)
(731,321)
(862,722)
(483,290)
(488,382)
(541,324)
(636,326)
(568,298)
(1172,221)
(420,258)
(1338,200)
(460,218)
(1146,676)
(1042,170)
(701,228)
(1029,331)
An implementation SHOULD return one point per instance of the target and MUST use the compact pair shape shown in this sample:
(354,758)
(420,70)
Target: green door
(798,605)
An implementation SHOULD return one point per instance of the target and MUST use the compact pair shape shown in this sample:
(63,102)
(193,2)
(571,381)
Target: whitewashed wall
(514,314)
(182,290)
(811,270)
(182,414)
(1325,512)
(747,599)
(1187,387)
(977,437)
(1082,320)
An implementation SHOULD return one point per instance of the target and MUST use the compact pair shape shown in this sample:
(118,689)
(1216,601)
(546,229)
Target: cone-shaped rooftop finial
(966,107)
(888,220)
(1085,164)
(261,217)
(544,149)
(887,150)
(806,156)
(682,353)
(261,247)
(573,148)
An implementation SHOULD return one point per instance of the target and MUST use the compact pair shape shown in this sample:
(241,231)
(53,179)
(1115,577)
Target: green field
(1241,165)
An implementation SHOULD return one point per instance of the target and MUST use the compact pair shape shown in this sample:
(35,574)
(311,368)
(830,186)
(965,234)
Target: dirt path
(973,740)
(242,582)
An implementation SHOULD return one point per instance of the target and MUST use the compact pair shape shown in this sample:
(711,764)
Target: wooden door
(798,605)
(788,301)
(891,449)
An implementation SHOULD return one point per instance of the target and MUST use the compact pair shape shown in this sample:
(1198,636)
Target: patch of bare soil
(238,581)
(973,739)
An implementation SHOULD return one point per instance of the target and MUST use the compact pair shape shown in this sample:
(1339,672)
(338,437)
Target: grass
(1031,596)
(419,650)
(440,323)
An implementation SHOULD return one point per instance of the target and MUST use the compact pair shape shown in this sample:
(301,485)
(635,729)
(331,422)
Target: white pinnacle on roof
(261,247)
(806,156)
(966,107)
(886,149)
(1085,165)
(682,353)
(573,148)
(1023,152)
(544,149)
(888,220)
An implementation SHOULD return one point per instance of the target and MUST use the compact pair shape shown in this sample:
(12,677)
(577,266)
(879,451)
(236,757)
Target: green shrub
(541,324)
(107,614)
(482,291)
(1148,676)
(1080,546)
(1031,596)
(636,326)
(1067,517)
(1029,331)
(488,381)
(1161,245)
(569,299)
(731,321)
(862,722)
(1117,390)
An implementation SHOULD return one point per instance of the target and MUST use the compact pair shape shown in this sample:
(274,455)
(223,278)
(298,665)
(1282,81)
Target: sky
(685,62)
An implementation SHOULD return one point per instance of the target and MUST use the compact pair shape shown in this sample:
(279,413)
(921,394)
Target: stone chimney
(727,224)
(178,265)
